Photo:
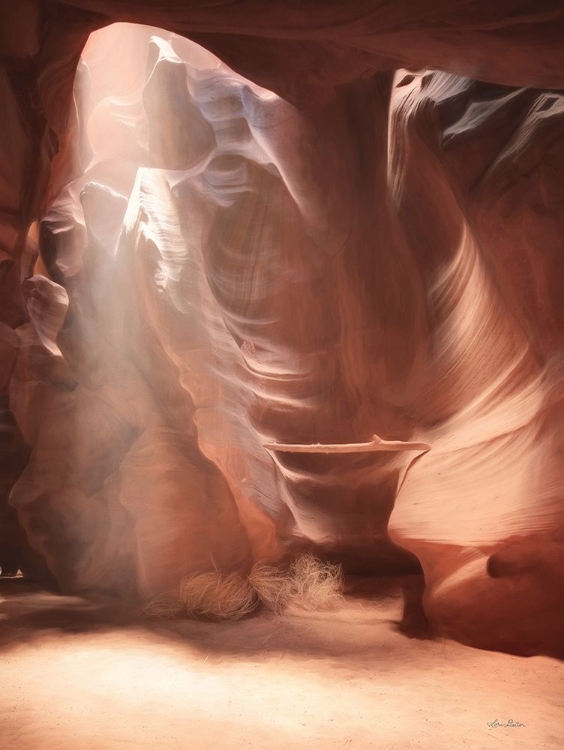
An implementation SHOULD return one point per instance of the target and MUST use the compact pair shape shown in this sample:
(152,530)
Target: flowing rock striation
(217,289)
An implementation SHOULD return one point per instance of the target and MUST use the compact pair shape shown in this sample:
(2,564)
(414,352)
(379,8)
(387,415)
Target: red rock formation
(225,271)
(491,482)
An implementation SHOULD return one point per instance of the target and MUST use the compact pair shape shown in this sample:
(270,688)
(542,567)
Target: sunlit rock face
(222,270)
(133,366)
(208,299)
(473,174)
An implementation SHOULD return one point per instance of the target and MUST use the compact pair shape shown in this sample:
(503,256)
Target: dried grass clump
(308,584)
(166,605)
(216,596)
(315,585)
(272,586)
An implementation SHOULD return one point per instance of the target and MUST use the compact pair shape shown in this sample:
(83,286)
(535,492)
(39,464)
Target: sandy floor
(73,675)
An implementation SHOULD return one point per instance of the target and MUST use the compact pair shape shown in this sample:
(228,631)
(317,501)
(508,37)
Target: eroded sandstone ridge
(214,283)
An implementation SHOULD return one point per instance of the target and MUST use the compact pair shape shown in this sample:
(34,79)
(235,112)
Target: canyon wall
(203,268)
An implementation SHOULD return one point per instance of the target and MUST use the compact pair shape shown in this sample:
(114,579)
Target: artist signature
(510,723)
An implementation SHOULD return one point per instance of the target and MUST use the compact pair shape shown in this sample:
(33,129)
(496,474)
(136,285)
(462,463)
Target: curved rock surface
(236,289)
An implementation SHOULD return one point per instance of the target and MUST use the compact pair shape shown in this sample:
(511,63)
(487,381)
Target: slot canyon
(281,374)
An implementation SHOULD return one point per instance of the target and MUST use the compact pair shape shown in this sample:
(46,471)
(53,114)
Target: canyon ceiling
(242,238)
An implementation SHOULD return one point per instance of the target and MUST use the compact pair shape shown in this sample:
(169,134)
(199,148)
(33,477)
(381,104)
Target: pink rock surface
(326,249)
